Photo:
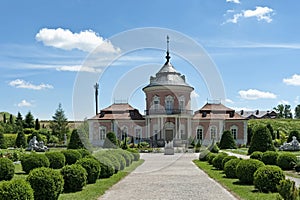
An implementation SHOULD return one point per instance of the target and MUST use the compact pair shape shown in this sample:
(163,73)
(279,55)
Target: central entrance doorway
(169,131)
(169,135)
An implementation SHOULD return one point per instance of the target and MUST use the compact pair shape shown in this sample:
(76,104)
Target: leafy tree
(75,141)
(29,121)
(2,141)
(11,119)
(271,131)
(279,109)
(4,118)
(293,133)
(37,125)
(249,134)
(297,112)
(227,141)
(59,124)
(19,121)
(110,140)
(21,140)
(261,140)
(287,111)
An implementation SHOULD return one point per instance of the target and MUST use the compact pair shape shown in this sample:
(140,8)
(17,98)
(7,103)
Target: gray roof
(257,113)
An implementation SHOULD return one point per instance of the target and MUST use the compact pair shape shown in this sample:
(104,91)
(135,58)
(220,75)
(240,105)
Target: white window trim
(199,128)
(102,135)
(210,132)
(236,133)
(182,105)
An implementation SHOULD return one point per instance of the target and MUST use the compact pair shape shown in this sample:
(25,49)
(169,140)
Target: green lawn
(246,192)
(93,191)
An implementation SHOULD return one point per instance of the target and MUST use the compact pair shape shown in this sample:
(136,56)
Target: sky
(54,52)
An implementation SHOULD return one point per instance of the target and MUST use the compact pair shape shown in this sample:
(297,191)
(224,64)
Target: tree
(110,140)
(29,121)
(20,140)
(287,111)
(297,112)
(4,118)
(11,119)
(37,125)
(261,140)
(249,134)
(227,141)
(271,131)
(293,133)
(19,121)
(59,124)
(2,141)
(279,109)
(75,141)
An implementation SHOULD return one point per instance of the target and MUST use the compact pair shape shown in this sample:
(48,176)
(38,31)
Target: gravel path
(167,177)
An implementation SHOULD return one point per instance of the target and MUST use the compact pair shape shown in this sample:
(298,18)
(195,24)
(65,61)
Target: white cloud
(229,101)
(260,13)
(86,40)
(19,83)
(78,68)
(294,80)
(24,103)
(284,102)
(253,94)
(233,1)
(297,100)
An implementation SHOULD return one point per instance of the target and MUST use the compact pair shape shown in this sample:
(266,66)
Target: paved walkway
(167,177)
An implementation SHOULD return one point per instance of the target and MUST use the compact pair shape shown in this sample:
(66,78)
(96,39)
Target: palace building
(168,115)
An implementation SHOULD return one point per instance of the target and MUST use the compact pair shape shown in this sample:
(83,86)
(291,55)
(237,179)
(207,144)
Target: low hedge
(246,168)
(47,183)
(7,169)
(75,177)
(34,160)
(71,156)
(107,168)
(256,155)
(92,167)
(210,157)
(226,159)
(286,161)
(269,158)
(18,189)
(57,159)
(119,158)
(135,153)
(217,161)
(267,178)
(203,155)
(230,168)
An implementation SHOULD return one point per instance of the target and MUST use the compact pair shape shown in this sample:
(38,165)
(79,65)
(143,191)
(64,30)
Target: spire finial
(168,54)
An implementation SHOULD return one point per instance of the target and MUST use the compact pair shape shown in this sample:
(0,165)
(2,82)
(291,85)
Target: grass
(246,192)
(94,191)
(241,151)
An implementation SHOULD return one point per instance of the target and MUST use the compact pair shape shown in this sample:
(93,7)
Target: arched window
(181,103)
(156,132)
(199,133)
(169,102)
(156,102)
(102,133)
(213,132)
(234,131)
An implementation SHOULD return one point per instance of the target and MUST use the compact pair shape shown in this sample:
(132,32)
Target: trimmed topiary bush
(246,168)
(210,157)
(203,155)
(84,153)
(261,140)
(75,177)
(57,159)
(256,155)
(269,158)
(7,169)
(120,159)
(227,141)
(71,156)
(92,167)
(230,168)
(114,161)
(215,149)
(46,183)
(286,161)
(135,153)
(75,141)
(16,189)
(226,159)
(217,161)
(110,140)
(21,140)
(288,190)
(107,168)
(127,156)
(267,178)
(34,160)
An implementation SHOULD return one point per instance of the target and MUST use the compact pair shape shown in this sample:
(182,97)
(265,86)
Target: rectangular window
(213,132)
(102,133)
(234,133)
(137,134)
(199,134)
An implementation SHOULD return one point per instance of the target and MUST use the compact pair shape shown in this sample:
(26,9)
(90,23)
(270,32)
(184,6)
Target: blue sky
(45,46)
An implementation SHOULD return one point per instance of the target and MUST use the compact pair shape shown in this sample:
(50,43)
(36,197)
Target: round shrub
(288,190)
(246,168)
(210,157)
(256,155)
(286,161)
(226,159)
(217,161)
(203,155)
(126,155)
(92,167)
(261,140)
(16,189)
(215,149)
(7,169)
(84,153)
(46,183)
(230,168)
(267,178)
(114,161)
(227,141)
(120,159)
(135,153)
(57,159)
(71,156)
(107,168)
(34,160)
(269,158)
(75,177)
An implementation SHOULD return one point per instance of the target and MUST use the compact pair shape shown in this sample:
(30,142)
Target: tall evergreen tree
(271,131)
(4,118)
(11,119)
(29,121)
(21,140)
(261,140)
(19,121)
(280,110)
(37,125)
(59,124)
(110,140)
(75,141)
(287,111)
(227,141)
(297,112)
